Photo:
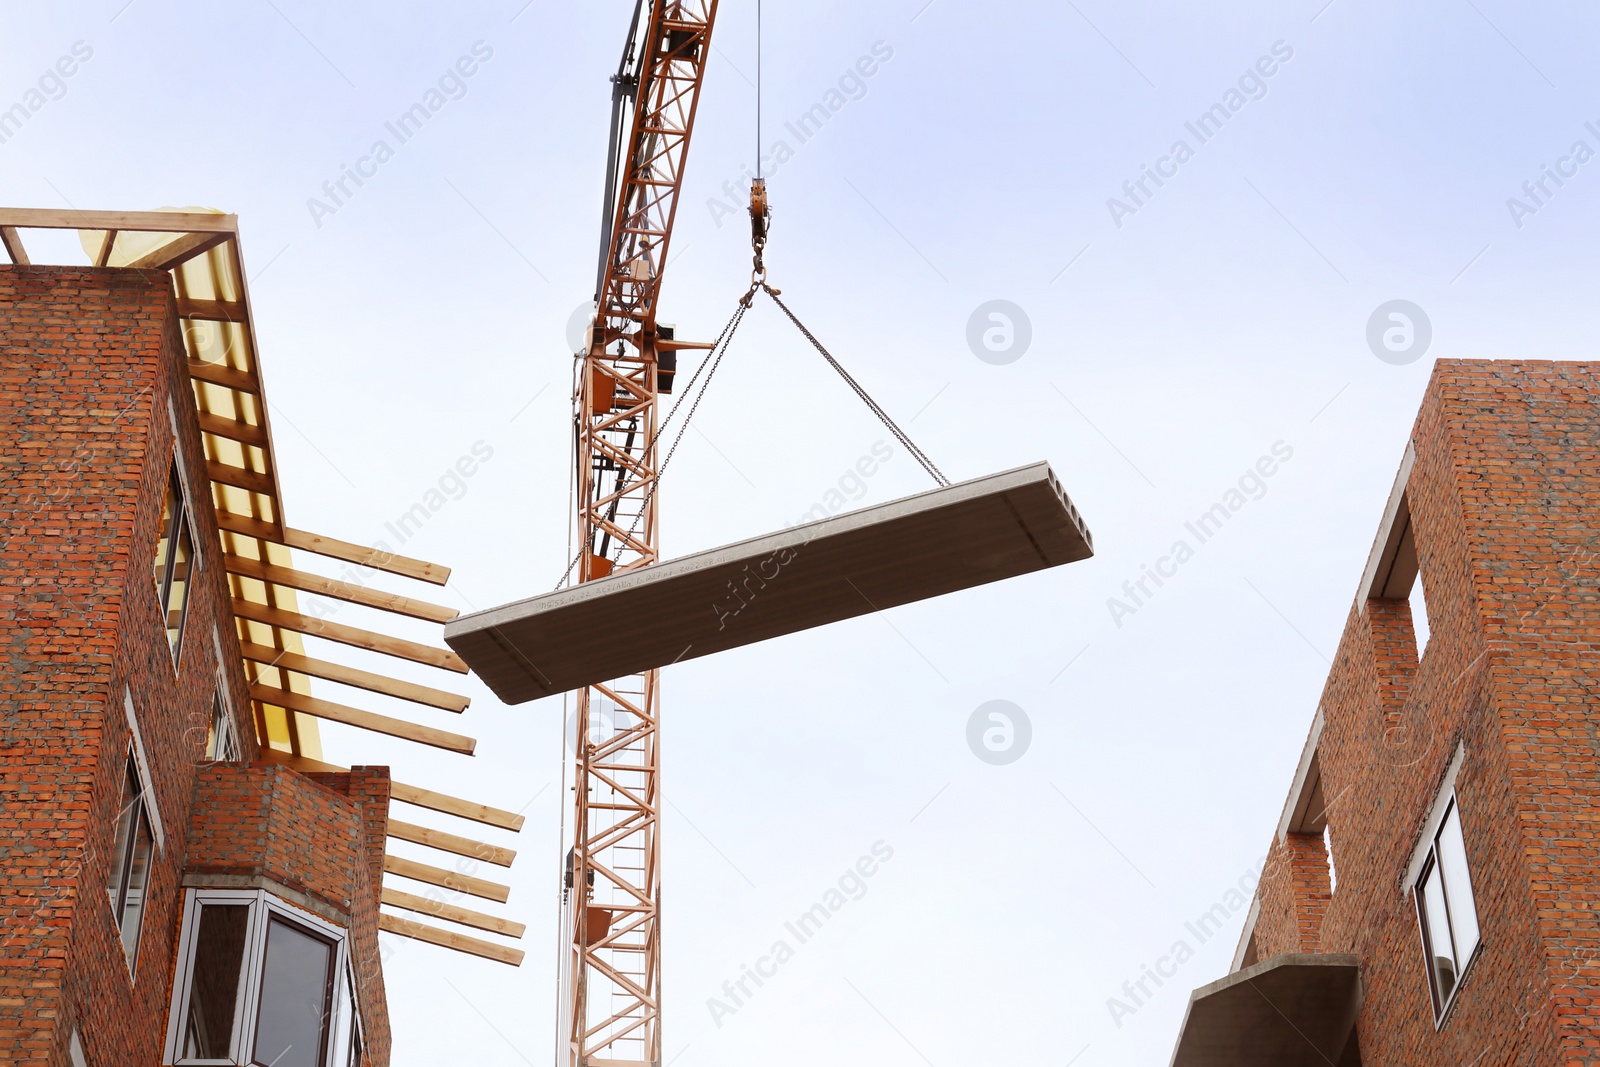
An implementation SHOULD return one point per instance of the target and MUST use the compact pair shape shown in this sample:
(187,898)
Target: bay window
(260,982)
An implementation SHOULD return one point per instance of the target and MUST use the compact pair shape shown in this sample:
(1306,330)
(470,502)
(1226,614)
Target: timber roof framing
(201,250)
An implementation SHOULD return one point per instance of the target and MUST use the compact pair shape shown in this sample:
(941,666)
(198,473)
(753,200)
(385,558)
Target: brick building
(1431,890)
(182,878)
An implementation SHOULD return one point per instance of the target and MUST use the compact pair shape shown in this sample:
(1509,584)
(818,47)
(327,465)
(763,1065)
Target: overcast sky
(1182,332)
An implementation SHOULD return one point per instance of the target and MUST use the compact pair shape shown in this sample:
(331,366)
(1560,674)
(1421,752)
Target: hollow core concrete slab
(922,546)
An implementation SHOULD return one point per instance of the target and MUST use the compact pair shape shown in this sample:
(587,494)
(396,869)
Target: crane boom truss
(611,938)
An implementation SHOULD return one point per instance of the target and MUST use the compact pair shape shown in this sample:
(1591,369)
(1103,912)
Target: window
(130,862)
(222,741)
(1446,911)
(174,561)
(261,983)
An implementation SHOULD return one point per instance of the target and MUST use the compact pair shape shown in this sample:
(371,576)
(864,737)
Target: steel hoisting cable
(720,349)
(899,434)
(758,90)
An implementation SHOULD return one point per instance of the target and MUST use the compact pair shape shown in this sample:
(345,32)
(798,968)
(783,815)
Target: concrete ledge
(1294,1010)
(922,546)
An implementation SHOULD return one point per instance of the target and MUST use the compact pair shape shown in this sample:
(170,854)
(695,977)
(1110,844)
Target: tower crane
(610,981)
(609,989)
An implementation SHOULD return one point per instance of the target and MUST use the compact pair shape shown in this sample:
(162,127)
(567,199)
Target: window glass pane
(214,987)
(169,507)
(138,880)
(342,1025)
(294,998)
(178,592)
(126,809)
(1452,852)
(1433,913)
(219,737)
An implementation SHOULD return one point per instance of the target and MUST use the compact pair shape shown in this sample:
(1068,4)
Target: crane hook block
(760,216)
(760,213)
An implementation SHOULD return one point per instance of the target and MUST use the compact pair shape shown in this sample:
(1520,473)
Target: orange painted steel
(611,937)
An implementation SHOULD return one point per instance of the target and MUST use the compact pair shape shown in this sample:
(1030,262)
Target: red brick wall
(1295,893)
(88,360)
(321,835)
(1505,497)
(369,786)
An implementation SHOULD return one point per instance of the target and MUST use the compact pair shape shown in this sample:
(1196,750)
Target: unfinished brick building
(1456,775)
(182,879)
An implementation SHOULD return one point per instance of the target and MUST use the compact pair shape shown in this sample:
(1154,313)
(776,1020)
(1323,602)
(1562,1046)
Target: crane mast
(610,982)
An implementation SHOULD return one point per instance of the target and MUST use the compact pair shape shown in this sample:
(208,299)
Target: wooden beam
(185,247)
(372,683)
(354,594)
(107,242)
(461,883)
(360,555)
(445,939)
(13,242)
(350,635)
(461,846)
(440,910)
(211,310)
(410,794)
(132,221)
(464,809)
(366,720)
(225,376)
(234,430)
(254,481)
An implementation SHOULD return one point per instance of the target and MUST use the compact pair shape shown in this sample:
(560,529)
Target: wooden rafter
(411,794)
(461,883)
(366,720)
(461,846)
(400,648)
(440,910)
(338,672)
(394,924)
(354,594)
(13,245)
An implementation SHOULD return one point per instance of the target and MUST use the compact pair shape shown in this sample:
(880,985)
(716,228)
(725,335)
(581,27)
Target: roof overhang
(1295,1010)
(922,546)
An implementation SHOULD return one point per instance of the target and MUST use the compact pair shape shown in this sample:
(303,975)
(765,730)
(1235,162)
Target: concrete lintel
(1376,577)
(1305,811)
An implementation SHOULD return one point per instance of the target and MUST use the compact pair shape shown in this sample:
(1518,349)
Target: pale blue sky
(1227,315)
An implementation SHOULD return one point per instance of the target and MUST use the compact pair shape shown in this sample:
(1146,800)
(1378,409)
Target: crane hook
(760,219)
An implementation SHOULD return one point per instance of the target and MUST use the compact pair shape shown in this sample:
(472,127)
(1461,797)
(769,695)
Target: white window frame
(1431,867)
(263,907)
(138,813)
(163,585)
(222,737)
